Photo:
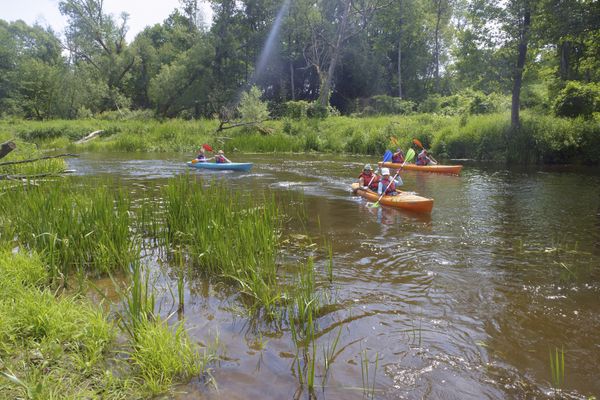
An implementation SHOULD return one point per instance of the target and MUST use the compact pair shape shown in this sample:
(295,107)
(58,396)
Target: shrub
(251,107)
(577,99)
(296,109)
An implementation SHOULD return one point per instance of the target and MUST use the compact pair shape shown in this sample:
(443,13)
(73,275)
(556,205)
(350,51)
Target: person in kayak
(398,156)
(201,156)
(388,184)
(367,178)
(220,158)
(423,158)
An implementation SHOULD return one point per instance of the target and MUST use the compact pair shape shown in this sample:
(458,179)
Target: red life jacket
(398,159)
(219,159)
(388,181)
(367,179)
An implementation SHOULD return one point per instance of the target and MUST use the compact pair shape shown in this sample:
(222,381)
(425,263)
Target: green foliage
(385,105)
(252,108)
(577,99)
(296,109)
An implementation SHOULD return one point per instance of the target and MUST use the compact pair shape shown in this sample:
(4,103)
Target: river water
(465,303)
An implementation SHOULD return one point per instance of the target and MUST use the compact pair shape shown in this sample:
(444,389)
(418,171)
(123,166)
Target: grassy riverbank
(542,138)
(54,341)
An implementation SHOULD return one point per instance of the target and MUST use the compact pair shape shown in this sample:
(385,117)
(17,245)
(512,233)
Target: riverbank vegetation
(57,341)
(541,139)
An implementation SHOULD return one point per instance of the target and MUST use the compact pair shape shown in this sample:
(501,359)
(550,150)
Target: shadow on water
(463,303)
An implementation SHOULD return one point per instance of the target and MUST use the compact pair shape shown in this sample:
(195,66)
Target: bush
(577,99)
(251,107)
(296,109)
(385,105)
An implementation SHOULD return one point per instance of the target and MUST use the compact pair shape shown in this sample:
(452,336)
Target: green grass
(76,230)
(542,138)
(59,346)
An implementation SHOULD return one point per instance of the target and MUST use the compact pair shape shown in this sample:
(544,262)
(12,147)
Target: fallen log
(6,148)
(91,136)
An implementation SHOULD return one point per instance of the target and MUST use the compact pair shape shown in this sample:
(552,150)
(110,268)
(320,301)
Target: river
(465,303)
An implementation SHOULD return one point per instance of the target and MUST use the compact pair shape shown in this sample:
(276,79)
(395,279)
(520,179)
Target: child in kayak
(201,157)
(220,158)
(367,179)
(424,159)
(387,185)
(398,156)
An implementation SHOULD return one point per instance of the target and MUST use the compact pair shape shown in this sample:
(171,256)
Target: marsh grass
(557,367)
(76,230)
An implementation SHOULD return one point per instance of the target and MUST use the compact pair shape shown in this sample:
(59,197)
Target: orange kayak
(440,169)
(403,200)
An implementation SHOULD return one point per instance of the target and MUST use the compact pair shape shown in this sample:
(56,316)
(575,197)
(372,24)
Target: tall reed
(231,236)
(77,230)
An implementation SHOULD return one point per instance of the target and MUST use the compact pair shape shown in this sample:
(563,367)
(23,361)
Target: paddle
(387,156)
(418,143)
(409,156)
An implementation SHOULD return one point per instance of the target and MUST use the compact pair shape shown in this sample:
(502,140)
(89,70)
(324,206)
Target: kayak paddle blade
(410,154)
(418,143)
(387,156)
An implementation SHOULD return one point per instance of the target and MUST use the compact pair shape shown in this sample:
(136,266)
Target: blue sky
(141,12)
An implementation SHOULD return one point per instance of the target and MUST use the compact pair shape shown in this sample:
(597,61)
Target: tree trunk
(400,53)
(326,83)
(292,80)
(6,148)
(436,54)
(518,72)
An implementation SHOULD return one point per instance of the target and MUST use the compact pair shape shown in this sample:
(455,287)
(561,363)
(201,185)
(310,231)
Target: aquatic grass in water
(77,230)
(557,367)
(231,236)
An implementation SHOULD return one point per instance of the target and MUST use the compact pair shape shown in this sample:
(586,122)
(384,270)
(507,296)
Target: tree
(96,38)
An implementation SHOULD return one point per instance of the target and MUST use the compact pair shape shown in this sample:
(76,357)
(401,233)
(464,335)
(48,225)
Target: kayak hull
(221,166)
(403,200)
(440,169)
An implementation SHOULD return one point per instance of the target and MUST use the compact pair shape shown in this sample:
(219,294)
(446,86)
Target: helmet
(367,167)
(385,171)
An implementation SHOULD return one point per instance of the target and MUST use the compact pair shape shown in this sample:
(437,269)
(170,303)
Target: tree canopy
(338,53)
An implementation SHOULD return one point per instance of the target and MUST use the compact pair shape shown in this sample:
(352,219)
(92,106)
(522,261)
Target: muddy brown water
(465,303)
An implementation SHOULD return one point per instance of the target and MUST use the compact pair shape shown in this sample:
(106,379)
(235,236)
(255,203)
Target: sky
(141,12)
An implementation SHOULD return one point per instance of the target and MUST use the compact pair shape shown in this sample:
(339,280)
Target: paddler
(201,156)
(387,184)
(423,158)
(368,179)
(220,158)
(398,156)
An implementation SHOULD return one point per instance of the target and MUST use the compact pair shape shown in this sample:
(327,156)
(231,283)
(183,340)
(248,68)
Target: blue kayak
(221,166)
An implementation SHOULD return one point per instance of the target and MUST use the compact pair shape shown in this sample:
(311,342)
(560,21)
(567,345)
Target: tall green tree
(96,38)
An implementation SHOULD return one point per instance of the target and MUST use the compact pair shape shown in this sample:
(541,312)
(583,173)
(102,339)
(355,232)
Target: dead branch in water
(37,159)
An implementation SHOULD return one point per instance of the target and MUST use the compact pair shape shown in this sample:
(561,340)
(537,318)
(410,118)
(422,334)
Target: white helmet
(385,171)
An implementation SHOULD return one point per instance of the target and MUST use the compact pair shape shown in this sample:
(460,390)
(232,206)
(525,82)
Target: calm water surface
(466,303)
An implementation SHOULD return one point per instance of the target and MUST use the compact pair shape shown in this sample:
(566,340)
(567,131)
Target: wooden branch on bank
(28,177)
(6,148)
(37,159)
(90,136)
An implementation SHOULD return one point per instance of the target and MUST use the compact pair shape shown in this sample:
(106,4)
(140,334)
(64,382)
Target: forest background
(516,80)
